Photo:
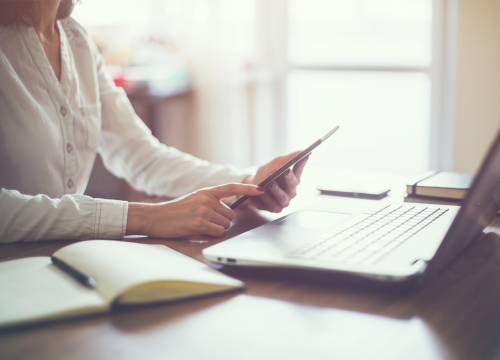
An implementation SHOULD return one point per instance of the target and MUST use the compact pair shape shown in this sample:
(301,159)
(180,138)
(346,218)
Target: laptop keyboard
(372,238)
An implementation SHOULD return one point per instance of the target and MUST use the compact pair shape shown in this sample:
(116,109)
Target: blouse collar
(40,59)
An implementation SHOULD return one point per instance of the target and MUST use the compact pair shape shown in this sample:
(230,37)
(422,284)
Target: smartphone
(285,167)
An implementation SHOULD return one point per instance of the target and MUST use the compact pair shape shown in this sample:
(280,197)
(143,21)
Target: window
(381,69)
(371,66)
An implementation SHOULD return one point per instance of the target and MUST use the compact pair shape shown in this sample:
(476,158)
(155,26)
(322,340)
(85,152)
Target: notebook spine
(413,187)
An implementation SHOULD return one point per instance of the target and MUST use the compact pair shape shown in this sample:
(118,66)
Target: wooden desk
(457,316)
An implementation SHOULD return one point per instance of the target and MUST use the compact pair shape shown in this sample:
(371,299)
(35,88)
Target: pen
(85,280)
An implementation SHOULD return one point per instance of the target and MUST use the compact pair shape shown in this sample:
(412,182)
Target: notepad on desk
(35,290)
(447,185)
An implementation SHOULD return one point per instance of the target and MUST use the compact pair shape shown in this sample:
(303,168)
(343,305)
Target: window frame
(272,53)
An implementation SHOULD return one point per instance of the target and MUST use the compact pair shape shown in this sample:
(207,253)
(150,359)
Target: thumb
(227,190)
(299,167)
(282,160)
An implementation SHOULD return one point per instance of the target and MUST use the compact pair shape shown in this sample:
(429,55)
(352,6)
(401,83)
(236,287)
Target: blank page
(119,266)
(33,289)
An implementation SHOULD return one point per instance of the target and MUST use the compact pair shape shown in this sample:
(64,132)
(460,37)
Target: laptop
(385,242)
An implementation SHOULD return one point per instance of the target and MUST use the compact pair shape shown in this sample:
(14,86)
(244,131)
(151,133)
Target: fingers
(208,221)
(279,195)
(274,200)
(218,219)
(269,203)
(214,211)
(224,191)
(299,167)
(291,183)
(214,230)
(224,210)
(256,201)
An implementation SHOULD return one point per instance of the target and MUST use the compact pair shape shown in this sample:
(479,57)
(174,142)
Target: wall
(478,82)
(173,128)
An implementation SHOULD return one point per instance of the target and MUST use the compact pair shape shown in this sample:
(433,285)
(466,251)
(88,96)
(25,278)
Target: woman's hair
(15,12)
(27,12)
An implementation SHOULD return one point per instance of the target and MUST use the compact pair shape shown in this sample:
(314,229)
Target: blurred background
(413,84)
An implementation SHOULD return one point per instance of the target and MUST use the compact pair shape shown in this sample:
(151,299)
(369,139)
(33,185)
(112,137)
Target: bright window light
(360,32)
(383,118)
(365,65)
(112,12)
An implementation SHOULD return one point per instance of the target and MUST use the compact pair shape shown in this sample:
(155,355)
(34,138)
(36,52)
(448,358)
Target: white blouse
(51,130)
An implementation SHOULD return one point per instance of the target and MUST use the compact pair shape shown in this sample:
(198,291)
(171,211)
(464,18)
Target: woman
(59,107)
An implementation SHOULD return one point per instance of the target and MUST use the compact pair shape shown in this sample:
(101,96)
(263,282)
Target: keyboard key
(344,255)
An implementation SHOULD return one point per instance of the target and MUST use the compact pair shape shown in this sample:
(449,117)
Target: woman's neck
(45,27)
(48,34)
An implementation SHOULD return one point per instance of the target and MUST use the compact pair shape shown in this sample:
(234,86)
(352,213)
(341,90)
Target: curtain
(217,39)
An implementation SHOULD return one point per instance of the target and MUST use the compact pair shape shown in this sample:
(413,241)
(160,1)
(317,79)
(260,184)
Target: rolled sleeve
(72,217)
(110,219)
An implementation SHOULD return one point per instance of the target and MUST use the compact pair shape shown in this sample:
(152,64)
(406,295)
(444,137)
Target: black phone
(283,168)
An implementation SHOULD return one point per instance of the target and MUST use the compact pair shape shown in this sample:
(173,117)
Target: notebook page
(117,266)
(33,289)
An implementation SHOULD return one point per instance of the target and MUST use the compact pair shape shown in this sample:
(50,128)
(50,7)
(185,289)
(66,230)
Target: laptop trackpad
(314,219)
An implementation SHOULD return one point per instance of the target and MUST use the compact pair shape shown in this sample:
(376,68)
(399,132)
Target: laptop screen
(479,208)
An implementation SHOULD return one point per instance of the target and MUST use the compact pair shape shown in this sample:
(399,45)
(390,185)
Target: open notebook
(34,290)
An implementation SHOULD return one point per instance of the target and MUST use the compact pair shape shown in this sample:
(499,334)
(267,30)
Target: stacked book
(439,187)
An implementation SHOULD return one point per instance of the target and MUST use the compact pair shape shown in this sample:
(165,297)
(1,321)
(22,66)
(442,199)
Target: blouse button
(69,148)
(70,183)
(63,110)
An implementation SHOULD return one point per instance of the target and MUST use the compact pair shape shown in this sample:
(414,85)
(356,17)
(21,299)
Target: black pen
(82,278)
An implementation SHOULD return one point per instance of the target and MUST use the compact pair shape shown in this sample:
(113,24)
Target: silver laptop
(381,241)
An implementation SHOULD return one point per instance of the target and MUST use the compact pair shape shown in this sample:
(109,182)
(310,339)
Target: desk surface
(457,316)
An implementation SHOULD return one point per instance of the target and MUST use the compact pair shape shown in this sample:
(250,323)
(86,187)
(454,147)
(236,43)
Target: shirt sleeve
(130,151)
(72,217)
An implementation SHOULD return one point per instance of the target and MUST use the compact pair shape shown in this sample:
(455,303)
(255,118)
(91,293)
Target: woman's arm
(72,217)
(198,213)
(130,151)
(79,217)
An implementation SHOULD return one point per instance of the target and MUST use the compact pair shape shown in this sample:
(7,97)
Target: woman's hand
(281,191)
(198,213)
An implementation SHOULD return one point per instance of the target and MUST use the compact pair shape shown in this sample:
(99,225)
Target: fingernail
(288,173)
(273,185)
(260,188)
